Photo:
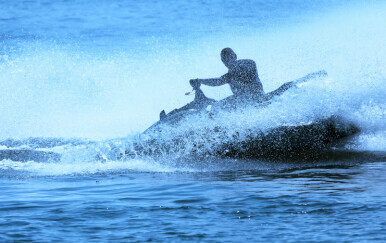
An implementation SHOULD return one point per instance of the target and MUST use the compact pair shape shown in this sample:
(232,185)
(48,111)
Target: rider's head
(228,56)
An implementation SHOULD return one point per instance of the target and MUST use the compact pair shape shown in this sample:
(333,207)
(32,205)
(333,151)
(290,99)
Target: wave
(81,162)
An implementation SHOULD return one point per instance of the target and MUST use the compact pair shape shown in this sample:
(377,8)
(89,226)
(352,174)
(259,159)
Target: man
(242,78)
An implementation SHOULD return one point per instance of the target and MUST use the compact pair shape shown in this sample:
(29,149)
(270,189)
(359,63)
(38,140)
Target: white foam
(51,90)
(63,168)
(369,142)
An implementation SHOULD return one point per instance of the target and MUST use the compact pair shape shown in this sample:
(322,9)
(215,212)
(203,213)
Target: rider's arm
(215,81)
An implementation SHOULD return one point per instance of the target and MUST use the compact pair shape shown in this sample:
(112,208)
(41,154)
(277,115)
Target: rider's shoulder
(245,62)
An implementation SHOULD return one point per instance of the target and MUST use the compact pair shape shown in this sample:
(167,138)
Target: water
(79,81)
(303,204)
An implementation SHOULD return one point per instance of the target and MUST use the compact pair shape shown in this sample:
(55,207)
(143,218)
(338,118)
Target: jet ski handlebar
(195,84)
(199,96)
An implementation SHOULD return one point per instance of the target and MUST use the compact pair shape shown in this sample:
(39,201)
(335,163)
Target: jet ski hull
(286,142)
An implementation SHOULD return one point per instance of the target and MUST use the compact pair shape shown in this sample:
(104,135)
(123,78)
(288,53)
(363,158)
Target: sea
(81,80)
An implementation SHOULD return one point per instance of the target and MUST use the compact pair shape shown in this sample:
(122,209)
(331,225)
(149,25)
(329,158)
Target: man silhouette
(242,78)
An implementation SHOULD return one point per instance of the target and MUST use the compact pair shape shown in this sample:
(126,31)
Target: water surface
(80,80)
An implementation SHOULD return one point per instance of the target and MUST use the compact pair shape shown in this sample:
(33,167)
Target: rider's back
(244,80)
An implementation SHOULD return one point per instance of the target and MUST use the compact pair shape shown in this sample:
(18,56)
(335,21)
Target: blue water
(80,80)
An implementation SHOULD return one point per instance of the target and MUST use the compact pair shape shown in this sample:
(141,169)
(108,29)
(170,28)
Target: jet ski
(287,141)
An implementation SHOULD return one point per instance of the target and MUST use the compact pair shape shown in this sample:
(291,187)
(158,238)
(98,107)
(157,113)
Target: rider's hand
(195,83)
